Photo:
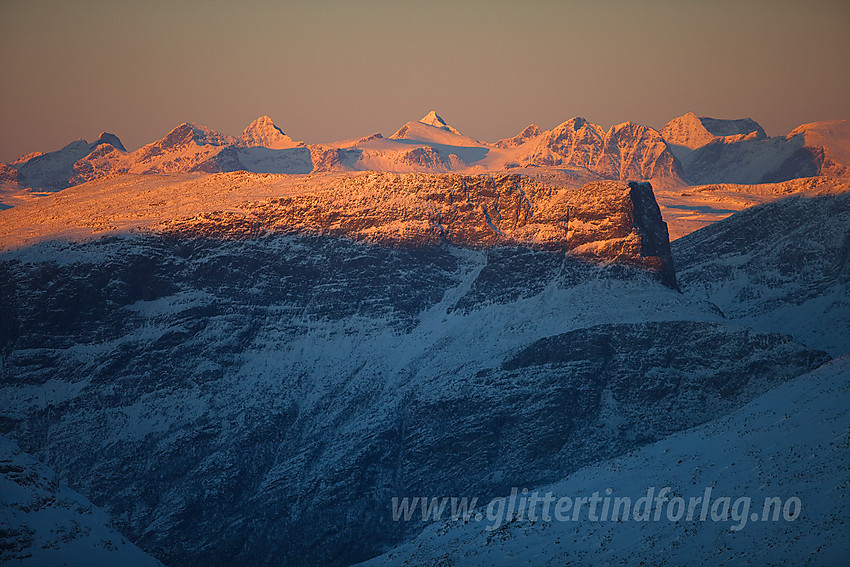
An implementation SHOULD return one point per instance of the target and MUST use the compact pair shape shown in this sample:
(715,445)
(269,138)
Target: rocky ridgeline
(604,221)
(625,151)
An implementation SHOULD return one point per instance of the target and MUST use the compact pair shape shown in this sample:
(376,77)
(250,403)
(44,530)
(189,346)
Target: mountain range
(687,150)
(219,350)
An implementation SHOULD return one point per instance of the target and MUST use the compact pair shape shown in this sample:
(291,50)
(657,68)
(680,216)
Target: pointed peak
(262,124)
(264,119)
(263,132)
(435,120)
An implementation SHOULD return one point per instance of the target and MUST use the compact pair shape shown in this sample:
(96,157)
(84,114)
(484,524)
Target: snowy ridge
(604,221)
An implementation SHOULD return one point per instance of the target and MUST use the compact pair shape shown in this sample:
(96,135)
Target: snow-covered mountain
(739,151)
(53,171)
(781,266)
(625,151)
(241,349)
(434,119)
(251,375)
(689,149)
(693,132)
(432,128)
(262,132)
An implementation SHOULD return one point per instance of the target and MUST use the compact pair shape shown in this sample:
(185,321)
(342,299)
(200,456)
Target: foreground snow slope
(45,523)
(262,400)
(790,442)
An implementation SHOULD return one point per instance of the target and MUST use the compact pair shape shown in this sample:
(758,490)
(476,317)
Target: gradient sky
(331,70)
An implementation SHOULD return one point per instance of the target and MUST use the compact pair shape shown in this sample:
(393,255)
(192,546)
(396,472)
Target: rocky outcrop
(111,140)
(104,160)
(530,131)
(654,236)
(604,221)
(9,175)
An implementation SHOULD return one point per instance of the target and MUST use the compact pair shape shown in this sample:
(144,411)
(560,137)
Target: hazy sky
(333,70)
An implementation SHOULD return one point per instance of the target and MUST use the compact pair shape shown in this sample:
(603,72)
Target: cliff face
(654,237)
(602,222)
(605,221)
